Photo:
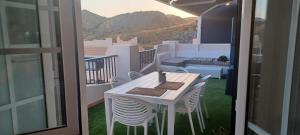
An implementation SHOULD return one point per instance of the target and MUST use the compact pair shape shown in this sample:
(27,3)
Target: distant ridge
(140,24)
(91,20)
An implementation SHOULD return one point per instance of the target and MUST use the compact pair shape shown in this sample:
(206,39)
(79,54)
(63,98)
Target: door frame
(244,51)
(76,106)
(290,67)
(73,66)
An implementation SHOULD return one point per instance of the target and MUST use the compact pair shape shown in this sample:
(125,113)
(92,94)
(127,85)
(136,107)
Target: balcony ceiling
(196,7)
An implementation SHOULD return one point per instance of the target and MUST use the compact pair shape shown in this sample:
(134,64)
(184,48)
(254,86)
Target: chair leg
(157,124)
(199,119)
(191,122)
(112,126)
(128,130)
(146,129)
(201,116)
(204,106)
(135,130)
(163,122)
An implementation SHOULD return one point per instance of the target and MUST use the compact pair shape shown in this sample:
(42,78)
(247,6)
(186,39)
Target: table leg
(108,113)
(171,119)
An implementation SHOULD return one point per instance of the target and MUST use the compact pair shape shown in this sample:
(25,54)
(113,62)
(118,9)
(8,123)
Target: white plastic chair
(134,75)
(188,104)
(116,81)
(202,100)
(133,112)
(181,70)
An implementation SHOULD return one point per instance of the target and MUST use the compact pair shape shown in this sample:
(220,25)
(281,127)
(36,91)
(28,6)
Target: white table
(169,98)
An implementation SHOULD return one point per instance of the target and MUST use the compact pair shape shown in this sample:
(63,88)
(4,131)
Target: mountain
(91,20)
(149,26)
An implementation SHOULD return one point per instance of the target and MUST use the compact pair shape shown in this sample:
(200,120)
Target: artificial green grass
(218,123)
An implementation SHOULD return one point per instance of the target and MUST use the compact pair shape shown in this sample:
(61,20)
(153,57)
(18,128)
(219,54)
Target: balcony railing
(146,57)
(100,70)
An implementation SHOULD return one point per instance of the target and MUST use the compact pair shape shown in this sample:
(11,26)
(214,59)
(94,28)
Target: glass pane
(255,103)
(6,125)
(4,91)
(268,65)
(27,76)
(36,80)
(250,132)
(32,85)
(23,1)
(55,2)
(22,26)
(33,113)
(294,115)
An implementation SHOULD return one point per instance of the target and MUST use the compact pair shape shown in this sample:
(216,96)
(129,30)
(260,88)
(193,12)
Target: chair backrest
(134,75)
(205,78)
(129,111)
(116,81)
(181,70)
(191,99)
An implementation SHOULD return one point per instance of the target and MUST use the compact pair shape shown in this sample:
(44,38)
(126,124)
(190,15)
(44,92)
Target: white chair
(116,81)
(134,75)
(181,70)
(132,112)
(188,104)
(202,100)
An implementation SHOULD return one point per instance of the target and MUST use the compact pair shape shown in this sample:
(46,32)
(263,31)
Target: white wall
(96,48)
(214,50)
(95,93)
(133,41)
(171,47)
(193,50)
(99,43)
(128,59)
(186,50)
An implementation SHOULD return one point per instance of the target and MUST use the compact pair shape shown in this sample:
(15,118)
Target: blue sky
(111,8)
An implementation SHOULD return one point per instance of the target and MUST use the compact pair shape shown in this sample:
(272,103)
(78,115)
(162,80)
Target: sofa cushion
(206,61)
(174,62)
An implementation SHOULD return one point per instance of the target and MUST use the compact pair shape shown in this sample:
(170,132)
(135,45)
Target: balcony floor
(218,105)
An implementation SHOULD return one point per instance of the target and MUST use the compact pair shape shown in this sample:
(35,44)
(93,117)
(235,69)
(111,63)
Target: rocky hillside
(151,27)
(91,20)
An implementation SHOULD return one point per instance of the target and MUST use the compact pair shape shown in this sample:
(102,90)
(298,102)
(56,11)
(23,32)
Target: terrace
(200,57)
(218,123)
(48,86)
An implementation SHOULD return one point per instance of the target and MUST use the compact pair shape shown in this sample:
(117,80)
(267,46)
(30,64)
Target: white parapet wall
(203,50)
(214,50)
(187,50)
(96,48)
(133,41)
(193,50)
(95,93)
(128,59)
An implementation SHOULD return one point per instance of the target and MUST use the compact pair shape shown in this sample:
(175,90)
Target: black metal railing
(146,57)
(100,70)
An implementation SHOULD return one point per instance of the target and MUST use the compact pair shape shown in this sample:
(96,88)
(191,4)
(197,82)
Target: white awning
(196,7)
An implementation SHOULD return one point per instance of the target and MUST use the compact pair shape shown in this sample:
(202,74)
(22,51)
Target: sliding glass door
(294,107)
(270,108)
(35,88)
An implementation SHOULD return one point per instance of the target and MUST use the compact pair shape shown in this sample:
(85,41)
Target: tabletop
(151,81)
